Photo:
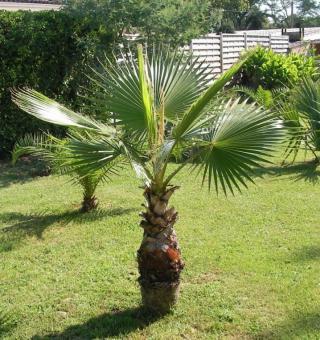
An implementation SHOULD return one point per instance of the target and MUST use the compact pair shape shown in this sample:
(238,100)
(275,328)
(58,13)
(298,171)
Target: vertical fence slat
(221,52)
(270,41)
(245,36)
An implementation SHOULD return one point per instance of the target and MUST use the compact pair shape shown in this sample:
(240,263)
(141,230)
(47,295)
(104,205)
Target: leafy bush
(269,99)
(271,70)
(47,51)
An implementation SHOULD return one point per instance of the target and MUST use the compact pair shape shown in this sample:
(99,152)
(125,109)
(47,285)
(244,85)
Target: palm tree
(61,158)
(301,115)
(162,107)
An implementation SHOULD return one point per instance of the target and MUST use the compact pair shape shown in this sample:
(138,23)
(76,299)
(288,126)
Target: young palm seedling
(59,154)
(164,106)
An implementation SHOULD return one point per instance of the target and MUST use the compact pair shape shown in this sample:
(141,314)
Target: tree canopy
(280,12)
(173,21)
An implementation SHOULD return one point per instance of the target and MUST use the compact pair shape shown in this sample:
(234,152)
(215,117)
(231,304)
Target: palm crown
(166,107)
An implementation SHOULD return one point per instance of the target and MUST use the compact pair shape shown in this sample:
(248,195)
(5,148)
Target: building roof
(32,5)
(48,2)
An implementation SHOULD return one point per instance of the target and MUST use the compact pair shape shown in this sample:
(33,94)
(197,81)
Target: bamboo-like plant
(60,155)
(163,106)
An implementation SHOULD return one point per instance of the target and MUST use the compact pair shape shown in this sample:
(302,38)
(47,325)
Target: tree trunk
(159,256)
(89,203)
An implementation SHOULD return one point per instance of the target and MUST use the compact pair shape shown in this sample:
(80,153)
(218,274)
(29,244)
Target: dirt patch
(204,278)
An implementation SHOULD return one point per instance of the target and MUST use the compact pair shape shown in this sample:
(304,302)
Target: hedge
(47,51)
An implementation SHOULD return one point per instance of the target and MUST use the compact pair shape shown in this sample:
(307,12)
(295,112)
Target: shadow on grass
(108,325)
(23,172)
(22,225)
(307,253)
(6,324)
(297,327)
(306,171)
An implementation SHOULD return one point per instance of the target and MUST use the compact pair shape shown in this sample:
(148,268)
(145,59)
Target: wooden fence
(220,52)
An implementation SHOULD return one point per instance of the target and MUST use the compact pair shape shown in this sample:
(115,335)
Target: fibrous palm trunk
(89,185)
(89,203)
(159,256)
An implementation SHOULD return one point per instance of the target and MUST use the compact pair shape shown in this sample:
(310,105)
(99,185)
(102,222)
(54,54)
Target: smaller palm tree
(301,116)
(163,106)
(59,154)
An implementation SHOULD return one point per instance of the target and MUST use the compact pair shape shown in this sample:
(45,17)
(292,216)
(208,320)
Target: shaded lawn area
(252,261)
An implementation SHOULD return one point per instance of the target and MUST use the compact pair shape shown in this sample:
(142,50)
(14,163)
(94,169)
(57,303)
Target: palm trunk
(159,256)
(89,203)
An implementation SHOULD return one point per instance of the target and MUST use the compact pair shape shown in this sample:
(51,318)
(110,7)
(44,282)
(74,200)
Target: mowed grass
(252,261)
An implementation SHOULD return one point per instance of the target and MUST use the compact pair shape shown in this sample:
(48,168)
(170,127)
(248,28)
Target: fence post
(270,41)
(191,50)
(245,40)
(221,52)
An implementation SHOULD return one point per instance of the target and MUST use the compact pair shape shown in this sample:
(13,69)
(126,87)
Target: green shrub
(271,70)
(47,51)
(50,51)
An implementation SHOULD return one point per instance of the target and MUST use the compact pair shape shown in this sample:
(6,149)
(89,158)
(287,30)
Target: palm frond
(296,130)
(242,137)
(40,145)
(89,153)
(301,118)
(145,88)
(307,102)
(197,108)
(121,90)
(138,94)
(177,81)
(48,110)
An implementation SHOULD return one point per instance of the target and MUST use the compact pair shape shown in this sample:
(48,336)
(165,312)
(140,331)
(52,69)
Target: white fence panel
(220,52)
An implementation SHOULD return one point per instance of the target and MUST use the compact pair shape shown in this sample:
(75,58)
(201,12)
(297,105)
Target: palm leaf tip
(48,110)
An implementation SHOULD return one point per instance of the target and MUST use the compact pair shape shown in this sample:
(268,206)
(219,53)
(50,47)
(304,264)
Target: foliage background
(52,51)
(271,70)
(47,51)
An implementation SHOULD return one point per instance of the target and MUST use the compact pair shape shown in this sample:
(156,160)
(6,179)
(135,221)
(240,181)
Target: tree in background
(52,50)
(240,15)
(168,21)
(49,51)
(280,12)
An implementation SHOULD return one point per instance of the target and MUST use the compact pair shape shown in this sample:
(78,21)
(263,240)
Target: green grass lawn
(252,261)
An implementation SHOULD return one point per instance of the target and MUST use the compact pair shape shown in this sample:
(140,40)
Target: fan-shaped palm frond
(48,110)
(138,93)
(240,137)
